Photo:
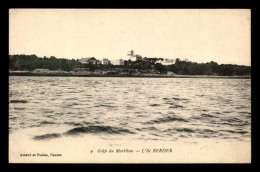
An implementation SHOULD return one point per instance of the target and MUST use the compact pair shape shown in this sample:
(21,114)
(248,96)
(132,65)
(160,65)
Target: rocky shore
(111,74)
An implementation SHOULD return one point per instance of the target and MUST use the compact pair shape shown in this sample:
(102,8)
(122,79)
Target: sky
(199,35)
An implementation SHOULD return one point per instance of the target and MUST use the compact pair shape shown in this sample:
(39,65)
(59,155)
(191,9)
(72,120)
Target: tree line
(32,62)
(210,68)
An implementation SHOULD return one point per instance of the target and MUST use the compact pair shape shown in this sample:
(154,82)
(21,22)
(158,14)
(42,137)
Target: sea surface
(111,108)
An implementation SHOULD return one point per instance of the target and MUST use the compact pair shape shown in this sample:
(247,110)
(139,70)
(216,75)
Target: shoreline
(14,73)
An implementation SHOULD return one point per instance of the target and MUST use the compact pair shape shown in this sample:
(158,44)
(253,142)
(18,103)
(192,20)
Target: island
(31,65)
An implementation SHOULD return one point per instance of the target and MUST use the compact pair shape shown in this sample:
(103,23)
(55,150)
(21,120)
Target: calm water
(169,109)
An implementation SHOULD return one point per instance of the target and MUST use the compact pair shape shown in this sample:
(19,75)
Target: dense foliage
(32,62)
(211,68)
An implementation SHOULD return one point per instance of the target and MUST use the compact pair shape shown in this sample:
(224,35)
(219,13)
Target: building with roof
(88,60)
(106,61)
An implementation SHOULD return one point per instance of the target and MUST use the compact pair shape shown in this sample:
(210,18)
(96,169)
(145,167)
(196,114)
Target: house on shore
(88,60)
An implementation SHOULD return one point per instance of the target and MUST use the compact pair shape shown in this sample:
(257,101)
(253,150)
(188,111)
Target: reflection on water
(131,108)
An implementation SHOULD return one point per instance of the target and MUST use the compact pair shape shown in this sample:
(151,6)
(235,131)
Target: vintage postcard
(129,86)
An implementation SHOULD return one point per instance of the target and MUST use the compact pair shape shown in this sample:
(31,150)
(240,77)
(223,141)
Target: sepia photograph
(129,86)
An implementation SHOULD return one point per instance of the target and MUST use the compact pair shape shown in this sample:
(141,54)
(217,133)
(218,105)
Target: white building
(118,62)
(115,62)
(167,61)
